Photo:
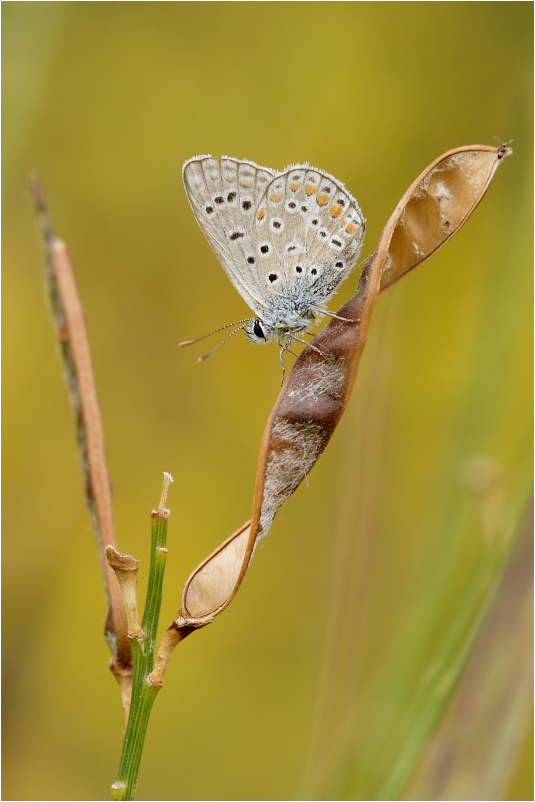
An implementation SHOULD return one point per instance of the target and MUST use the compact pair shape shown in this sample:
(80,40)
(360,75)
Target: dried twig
(74,341)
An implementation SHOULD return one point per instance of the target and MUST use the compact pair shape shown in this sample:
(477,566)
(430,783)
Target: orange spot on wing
(310,189)
(294,186)
(322,199)
(351,228)
(245,182)
(336,211)
(261,214)
(275,197)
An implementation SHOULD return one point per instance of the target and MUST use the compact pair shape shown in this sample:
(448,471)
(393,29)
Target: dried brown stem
(170,640)
(74,341)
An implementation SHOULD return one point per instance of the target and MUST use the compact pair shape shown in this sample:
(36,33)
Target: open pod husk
(319,385)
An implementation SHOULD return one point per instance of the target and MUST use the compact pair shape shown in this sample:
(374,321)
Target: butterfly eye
(258,330)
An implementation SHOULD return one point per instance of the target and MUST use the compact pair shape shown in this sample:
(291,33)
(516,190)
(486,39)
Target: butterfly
(286,240)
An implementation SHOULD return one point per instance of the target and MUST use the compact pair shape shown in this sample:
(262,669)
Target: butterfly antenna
(240,328)
(215,331)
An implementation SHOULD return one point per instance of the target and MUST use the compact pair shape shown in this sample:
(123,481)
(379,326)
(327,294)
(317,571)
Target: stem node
(126,568)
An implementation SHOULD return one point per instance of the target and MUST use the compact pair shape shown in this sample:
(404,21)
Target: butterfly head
(265,331)
(258,332)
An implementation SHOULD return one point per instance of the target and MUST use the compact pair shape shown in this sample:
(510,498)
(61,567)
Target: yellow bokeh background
(106,101)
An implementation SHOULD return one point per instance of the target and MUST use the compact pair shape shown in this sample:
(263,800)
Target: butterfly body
(286,240)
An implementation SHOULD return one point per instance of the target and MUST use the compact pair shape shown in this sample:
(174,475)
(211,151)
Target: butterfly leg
(337,317)
(309,345)
(285,347)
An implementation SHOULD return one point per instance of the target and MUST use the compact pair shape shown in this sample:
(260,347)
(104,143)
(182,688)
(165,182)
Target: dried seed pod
(215,581)
(441,201)
(319,384)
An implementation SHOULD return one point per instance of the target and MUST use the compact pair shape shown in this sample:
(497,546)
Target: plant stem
(69,318)
(143,690)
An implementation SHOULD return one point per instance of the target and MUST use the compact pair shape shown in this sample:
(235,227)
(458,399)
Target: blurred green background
(336,666)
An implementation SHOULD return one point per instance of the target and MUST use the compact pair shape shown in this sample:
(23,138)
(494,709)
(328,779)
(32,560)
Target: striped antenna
(240,328)
(215,331)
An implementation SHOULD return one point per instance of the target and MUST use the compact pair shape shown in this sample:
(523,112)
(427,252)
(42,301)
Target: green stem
(143,691)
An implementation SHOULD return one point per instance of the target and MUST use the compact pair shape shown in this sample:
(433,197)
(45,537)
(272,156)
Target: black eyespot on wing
(258,330)
(209,209)
(313,272)
(336,242)
(264,248)
(246,205)
(314,222)
(338,264)
(276,224)
(292,205)
(231,196)
(323,234)
(250,259)
(304,209)
(272,277)
(298,269)
(236,235)
(219,200)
